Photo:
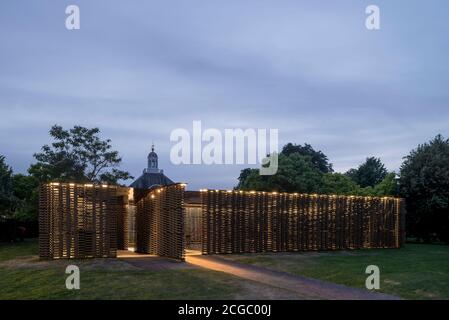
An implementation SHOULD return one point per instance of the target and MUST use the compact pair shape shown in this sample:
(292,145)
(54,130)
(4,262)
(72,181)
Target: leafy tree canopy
(299,171)
(78,155)
(424,182)
(6,191)
(341,184)
(369,173)
(318,158)
(296,173)
(27,197)
(338,183)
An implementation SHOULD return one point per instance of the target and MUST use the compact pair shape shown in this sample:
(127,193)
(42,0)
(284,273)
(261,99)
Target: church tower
(152,162)
(152,176)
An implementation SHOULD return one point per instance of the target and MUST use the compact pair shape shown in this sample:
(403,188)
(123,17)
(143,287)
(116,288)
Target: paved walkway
(150,262)
(309,288)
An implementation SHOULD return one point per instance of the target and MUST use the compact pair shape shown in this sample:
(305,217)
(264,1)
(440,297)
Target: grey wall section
(240,222)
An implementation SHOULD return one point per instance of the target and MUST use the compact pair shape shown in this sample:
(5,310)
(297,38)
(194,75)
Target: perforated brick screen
(238,222)
(79,221)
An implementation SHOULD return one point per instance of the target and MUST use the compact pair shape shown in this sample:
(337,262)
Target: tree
(296,173)
(424,182)
(6,191)
(387,187)
(244,176)
(318,158)
(369,173)
(78,155)
(338,183)
(26,192)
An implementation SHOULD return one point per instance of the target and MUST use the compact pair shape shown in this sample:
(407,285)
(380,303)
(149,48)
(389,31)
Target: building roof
(150,179)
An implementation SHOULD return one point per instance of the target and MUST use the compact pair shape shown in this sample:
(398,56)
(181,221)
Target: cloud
(139,70)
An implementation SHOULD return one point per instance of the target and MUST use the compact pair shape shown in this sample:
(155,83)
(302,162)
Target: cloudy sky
(139,69)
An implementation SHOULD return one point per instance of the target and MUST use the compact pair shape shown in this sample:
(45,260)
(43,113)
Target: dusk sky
(140,69)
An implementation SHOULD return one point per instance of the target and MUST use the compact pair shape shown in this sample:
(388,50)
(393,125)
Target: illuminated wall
(79,220)
(193,226)
(82,221)
(238,222)
(160,222)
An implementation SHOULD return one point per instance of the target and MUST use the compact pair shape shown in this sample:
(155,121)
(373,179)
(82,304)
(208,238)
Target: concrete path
(309,288)
(150,262)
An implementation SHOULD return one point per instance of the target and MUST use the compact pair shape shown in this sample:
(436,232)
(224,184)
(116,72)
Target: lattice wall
(122,228)
(193,226)
(160,222)
(238,222)
(79,221)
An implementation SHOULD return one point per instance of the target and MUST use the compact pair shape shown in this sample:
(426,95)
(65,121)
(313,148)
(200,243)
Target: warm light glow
(54,183)
(152,196)
(89,185)
(104,185)
(229,191)
(183,185)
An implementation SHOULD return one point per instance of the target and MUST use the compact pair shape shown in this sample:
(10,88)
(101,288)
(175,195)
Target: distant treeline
(423,180)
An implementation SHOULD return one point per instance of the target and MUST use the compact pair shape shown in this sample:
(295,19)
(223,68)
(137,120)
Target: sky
(140,69)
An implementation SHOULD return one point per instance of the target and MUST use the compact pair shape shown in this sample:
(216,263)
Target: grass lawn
(416,271)
(24,276)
